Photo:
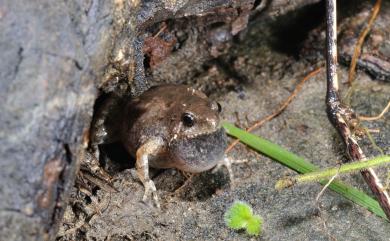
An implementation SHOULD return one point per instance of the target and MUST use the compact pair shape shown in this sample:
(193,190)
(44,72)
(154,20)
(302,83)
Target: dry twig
(362,37)
(372,118)
(341,116)
(280,109)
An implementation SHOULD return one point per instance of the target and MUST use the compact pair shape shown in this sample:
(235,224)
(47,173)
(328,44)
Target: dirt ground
(263,66)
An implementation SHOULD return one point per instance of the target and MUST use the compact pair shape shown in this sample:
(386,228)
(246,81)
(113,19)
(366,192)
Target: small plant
(240,216)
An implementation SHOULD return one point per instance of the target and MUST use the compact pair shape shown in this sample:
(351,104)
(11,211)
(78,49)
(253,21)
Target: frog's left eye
(188,119)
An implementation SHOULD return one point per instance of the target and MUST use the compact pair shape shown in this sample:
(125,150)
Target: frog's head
(193,115)
(197,138)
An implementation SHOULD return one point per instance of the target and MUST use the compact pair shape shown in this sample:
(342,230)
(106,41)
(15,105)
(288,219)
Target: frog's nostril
(219,107)
(216,106)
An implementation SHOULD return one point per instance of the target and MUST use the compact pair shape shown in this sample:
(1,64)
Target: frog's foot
(150,190)
(142,164)
(227,162)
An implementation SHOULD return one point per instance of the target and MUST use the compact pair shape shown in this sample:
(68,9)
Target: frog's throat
(200,153)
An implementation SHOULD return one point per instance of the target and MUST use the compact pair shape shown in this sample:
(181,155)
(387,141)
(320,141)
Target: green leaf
(300,165)
(254,225)
(240,216)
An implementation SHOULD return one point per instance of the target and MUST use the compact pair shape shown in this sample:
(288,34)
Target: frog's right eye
(188,119)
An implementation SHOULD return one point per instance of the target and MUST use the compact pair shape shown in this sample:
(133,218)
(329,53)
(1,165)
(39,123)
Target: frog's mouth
(214,128)
(200,152)
(204,133)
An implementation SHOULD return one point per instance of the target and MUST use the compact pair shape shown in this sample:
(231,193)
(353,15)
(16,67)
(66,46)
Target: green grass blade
(300,165)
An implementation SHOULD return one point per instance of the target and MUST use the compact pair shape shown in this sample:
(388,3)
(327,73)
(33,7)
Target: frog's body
(168,126)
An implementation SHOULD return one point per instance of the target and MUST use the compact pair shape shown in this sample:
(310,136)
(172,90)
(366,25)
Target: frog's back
(169,94)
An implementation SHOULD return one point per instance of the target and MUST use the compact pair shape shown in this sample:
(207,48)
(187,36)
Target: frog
(167,126)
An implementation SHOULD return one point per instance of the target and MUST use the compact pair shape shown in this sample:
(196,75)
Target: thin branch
(372,118)
(362,37)
(332,172)
(340,115)
(279,110)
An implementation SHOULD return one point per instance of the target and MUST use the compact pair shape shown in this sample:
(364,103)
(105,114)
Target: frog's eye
(188,119)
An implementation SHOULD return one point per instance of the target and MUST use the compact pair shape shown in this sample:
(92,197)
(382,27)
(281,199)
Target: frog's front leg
(151,147)
(226,162)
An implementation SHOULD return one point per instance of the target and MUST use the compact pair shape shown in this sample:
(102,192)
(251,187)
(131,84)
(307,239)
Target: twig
(362,37)
(161,30)
(102,184)
(372,118)
(320,212)
(326,187)
(339,115)
(373,143)
(279,110)
(331,172)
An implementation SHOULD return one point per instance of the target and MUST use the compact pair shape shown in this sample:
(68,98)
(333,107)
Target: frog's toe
(227,162)
(150,190)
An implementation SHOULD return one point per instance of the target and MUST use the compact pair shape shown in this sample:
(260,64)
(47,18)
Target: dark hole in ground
(289,31)
(118,159)
(209,183)
(113,156)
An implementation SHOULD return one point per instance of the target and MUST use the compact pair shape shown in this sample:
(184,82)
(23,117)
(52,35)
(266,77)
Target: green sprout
(240,216)
(300,165)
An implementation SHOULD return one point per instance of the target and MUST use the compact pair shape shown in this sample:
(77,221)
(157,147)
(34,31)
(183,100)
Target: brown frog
(168,126)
